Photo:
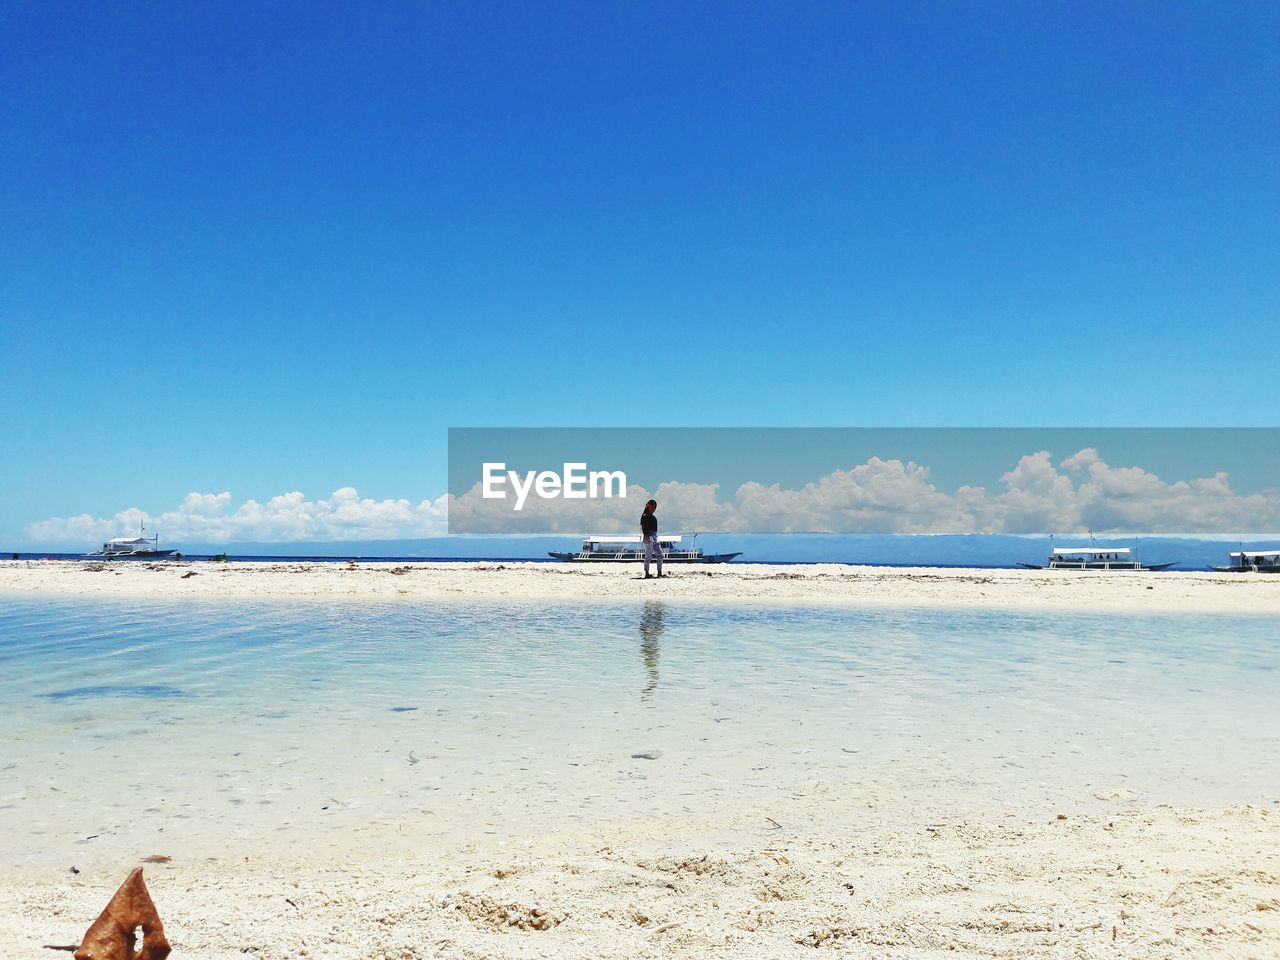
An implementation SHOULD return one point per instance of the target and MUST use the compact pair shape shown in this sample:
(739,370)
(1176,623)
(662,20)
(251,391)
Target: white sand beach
(910,884)
(911,853)
(1168,591)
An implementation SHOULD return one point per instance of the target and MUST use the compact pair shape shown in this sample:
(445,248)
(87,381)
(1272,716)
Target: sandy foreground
(808,583)
(1151,884)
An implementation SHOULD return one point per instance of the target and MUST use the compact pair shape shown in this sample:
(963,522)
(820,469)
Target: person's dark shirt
(648,523)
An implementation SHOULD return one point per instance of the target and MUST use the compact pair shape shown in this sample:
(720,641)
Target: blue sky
(283,247)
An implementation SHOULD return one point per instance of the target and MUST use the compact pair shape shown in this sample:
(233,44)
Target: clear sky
(273,247)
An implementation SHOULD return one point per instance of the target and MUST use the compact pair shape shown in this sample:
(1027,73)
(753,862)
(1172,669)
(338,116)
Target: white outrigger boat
(1253,561)
(133,548)
(630,549)
(1094,558)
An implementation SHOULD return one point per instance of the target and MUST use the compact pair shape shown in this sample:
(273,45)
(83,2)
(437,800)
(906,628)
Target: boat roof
(128,540)
(629,538)
(1265,552)
(1058,551)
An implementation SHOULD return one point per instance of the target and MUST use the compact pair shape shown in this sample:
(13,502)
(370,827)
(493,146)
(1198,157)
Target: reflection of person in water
(651,628)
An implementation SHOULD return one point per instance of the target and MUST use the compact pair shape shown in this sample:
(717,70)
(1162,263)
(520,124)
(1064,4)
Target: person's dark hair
(652,503)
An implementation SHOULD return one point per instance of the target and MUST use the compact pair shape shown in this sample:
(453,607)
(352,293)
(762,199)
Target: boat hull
(140,555)
(1101,566)
(636,556)
(1255,568)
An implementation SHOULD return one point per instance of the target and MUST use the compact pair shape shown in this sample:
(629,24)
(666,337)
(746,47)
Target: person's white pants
(652,551)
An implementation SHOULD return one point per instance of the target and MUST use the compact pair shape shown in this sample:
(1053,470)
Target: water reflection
(651,628)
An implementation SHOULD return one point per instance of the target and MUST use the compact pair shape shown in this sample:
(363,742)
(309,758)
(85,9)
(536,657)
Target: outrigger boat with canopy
(133,548)
(1094,558)
(1253,561)
(630,549)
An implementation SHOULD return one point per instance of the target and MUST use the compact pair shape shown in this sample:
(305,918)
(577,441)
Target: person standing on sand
(649,534)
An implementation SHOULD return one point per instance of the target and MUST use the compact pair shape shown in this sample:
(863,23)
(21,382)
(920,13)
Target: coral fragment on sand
(112,935)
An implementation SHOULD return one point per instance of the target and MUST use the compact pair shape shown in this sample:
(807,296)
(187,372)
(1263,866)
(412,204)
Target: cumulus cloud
(1130,498)
(892,496)
(1082,492)
(210,518)
(885,496)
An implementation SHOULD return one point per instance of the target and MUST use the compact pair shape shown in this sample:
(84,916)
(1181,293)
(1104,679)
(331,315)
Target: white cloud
(879,496)
(209,518)
(891,496)
(1130,498)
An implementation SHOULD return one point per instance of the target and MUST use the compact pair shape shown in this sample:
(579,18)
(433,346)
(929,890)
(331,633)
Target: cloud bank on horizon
(211,518)
(1080,493)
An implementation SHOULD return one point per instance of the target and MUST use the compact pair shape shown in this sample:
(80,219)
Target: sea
(217,728)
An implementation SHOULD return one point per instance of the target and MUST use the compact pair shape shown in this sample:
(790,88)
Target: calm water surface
(222,725)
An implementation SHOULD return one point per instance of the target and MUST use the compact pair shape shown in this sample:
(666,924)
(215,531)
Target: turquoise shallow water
(221,725)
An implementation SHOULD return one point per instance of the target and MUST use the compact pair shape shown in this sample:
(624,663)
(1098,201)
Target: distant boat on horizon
(630,549)
(1253,561)
(133,548)
(1094,558)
